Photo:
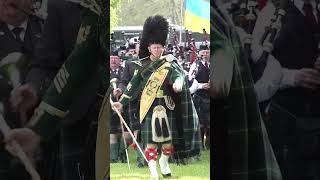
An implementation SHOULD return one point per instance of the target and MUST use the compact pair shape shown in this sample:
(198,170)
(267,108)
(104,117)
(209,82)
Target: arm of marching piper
(78,67)
(130,89)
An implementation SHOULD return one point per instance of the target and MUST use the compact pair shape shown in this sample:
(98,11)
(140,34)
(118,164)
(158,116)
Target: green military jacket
(90,50)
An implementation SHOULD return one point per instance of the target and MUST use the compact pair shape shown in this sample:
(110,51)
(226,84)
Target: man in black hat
(122,50)
(116,140)
(165,98)
(199,75)
(131,50)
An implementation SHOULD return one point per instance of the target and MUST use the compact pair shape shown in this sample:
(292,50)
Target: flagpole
(181,22)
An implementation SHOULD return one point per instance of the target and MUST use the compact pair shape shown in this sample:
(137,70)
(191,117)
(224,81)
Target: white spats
(164,165)
(153,169)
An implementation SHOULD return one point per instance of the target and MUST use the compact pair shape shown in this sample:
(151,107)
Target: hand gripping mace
(19,152)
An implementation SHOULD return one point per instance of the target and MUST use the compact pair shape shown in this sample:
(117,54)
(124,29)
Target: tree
(134,13)
(114,9)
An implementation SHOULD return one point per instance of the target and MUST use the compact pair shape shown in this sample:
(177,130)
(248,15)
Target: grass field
(199,170)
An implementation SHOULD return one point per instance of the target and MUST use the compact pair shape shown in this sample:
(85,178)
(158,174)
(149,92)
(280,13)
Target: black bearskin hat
(155,31)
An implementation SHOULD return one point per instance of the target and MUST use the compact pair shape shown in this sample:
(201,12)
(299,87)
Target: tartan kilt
(146,127)
(133,115)
(115,127)
(202,105)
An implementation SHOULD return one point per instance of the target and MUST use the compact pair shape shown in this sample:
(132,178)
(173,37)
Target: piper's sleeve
(130,89)
(177,74)
(77,68)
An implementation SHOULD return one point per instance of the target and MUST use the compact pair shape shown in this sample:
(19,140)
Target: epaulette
(168,57)
(138,62)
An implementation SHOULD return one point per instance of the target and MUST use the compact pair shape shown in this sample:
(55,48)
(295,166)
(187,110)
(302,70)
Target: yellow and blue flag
(197,15)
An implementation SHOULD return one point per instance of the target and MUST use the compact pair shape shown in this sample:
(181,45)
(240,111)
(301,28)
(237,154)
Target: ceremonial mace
(19,152)
(114,86)
(129,130)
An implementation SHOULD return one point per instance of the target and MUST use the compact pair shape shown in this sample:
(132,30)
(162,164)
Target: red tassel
(134,146)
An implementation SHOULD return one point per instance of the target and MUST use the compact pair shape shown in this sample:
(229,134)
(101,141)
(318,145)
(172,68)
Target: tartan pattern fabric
(133,114)
(115,126)
(249,149)
(187,143)
(146,129)
(202,105)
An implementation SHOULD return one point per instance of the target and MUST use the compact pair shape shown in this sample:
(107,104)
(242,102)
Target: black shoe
(166,175)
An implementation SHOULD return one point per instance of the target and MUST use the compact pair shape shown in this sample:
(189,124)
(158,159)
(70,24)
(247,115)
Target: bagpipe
(268,39)
(195,58)
(188,53)
(244,15)
(205,37)
(176,47)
